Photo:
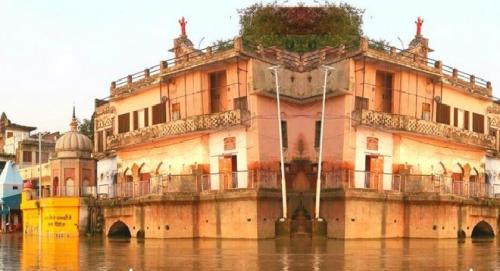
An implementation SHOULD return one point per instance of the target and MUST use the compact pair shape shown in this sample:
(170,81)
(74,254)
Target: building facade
(395,121)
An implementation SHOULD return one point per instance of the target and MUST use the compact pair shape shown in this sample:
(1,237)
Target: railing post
(113,85)
(146,73)
(129,79)
(163,66)
(454,73)
(472,80)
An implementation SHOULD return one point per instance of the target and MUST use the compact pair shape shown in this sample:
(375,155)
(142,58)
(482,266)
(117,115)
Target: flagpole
(320,158)
(282,162)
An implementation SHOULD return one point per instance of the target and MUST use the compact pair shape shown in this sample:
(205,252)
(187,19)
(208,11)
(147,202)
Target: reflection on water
(31,253)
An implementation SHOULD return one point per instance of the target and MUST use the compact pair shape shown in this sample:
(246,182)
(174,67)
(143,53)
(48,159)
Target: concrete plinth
(319,228)
(283,227)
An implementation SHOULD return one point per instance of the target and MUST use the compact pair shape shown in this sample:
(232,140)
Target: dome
(73,141)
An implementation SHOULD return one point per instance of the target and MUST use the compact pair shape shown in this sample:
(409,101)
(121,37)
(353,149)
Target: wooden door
(224,172)
(376,172)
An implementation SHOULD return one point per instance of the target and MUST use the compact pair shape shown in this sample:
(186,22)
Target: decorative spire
(183,23)
(74,123)
(419,24)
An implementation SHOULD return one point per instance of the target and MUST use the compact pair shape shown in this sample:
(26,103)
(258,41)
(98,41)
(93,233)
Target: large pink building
(206,121)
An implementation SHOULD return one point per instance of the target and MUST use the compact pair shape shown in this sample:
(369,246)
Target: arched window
(473,176)
(69,187)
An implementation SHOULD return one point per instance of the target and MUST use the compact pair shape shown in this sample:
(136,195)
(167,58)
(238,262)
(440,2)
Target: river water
(31,253)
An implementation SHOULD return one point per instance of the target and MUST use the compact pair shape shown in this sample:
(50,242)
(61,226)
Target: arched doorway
(483,230)
(144,180)
(457,178)
(119,230)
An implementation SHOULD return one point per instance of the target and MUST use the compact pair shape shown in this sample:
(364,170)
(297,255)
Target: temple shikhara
(225,142)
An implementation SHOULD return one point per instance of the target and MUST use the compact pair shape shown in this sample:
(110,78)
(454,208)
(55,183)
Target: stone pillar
(238,45)
(439,66)
(163,65)
(363,44)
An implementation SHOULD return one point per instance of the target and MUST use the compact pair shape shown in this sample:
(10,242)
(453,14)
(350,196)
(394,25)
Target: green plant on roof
(301,28)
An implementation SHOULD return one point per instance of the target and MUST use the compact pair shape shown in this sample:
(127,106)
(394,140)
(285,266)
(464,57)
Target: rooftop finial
(419,24)
(183,23)
(74,123)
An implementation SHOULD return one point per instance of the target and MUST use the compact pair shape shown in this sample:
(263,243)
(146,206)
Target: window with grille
(361,103)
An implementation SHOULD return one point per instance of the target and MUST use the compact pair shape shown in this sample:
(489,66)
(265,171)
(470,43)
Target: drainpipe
(283,183)
(320,158)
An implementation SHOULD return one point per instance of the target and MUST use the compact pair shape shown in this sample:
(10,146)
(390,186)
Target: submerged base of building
(255,214)
(57,216)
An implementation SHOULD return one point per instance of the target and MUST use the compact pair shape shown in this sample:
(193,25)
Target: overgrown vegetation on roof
(301,28)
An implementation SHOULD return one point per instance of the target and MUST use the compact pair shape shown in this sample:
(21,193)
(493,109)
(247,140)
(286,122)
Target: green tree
(86,127)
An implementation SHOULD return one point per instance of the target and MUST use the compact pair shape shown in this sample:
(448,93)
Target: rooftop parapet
(302,63)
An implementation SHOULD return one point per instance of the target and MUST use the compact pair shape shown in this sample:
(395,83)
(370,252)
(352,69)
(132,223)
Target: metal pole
(40,183)
(318,179)
(283,183)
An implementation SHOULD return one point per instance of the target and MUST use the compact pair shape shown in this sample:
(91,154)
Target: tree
(86,127)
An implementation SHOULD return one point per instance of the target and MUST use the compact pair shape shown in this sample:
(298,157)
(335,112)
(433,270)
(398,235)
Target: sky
(56,54)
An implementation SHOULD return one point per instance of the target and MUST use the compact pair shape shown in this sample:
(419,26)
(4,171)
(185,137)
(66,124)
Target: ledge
(189,125)
(401,123)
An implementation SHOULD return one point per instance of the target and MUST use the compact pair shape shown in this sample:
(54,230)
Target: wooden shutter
(156,114)
(100,142)
(443,113)
(146,117)
(466,120)
(477,123)
(284,133)
(124,123)
(136,120)
(317,134)
(455,117)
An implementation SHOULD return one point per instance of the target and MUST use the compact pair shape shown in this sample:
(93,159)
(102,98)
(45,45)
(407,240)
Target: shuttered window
(100,141)
(477,123)
(284,133)
(317,134)
(146,117)
(124,123)
(159,113)
(466,120)
(27,156)
(136,120)
(443,113)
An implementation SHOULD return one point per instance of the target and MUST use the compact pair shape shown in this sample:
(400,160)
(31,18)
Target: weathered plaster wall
(216,150)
